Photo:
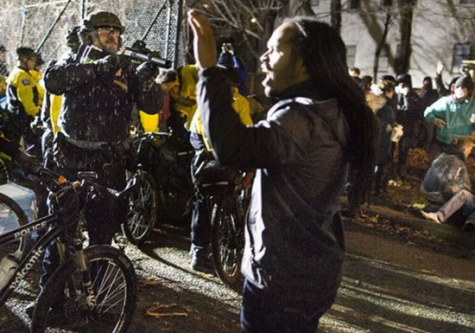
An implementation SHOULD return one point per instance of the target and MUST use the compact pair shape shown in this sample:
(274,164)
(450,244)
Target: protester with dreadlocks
(294,235)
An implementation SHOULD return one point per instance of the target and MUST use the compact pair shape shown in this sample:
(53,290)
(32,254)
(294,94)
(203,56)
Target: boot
(201,259)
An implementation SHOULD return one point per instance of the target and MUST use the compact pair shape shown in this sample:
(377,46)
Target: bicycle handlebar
(153,135)
(51,175)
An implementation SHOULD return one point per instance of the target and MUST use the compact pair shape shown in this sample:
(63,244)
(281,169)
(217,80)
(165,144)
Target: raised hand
(204,43)
(440,67)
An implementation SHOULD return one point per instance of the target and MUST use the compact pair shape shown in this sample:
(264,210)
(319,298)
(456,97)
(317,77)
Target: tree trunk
(404,56)
(381,44)
(306,7)
(335,10)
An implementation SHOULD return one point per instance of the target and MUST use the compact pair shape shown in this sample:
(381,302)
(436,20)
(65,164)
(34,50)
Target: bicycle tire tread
(55,286)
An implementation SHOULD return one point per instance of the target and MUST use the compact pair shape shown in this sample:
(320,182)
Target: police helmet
(99,19)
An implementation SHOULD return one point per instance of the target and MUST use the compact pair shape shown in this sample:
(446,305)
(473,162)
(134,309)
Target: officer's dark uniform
(95,122)
(95,118)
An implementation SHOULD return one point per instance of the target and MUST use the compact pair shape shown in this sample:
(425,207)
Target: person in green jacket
(453,115)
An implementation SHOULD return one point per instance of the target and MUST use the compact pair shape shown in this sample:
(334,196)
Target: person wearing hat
(23,102)
(453,115)
(100,89)
(410,115)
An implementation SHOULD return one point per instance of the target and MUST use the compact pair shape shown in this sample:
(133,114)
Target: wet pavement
(389,285)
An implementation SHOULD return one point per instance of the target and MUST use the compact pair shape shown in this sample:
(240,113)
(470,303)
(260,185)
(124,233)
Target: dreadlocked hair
(324,56)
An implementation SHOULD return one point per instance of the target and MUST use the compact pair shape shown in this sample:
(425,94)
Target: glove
(28,163)
(108,66)
(148,71)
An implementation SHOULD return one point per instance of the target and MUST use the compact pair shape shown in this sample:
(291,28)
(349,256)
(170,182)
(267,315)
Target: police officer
(200,225)
(99,91)
(23,102)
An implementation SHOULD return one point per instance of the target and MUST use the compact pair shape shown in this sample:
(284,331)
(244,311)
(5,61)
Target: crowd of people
(319,129)
(440,121)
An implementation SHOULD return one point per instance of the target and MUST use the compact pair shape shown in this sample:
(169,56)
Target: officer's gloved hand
(108,66)
(28,163)
(148,71)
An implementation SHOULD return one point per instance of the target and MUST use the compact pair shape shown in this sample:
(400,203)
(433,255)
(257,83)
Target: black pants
(103,217)
(200,219)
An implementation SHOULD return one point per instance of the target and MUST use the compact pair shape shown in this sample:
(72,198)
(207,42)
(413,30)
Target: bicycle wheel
(227,242)
(65,305)
(142,210)
(12,217)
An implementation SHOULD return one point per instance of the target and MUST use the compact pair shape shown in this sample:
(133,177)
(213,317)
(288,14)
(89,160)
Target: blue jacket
(294,235)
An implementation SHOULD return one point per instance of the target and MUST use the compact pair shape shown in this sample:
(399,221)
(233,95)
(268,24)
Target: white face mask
(398,90)
(460,93)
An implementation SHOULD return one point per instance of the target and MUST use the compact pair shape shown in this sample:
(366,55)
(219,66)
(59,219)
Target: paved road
(389,286)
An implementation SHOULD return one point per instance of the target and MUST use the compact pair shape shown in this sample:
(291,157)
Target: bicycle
(164,184)
(142,206)
(227,201)
(173,177)
(92,287)
(15,218)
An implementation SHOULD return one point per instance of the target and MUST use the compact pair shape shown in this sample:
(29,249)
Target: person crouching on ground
(447,183)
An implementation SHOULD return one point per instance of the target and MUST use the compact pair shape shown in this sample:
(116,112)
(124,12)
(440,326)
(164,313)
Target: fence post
(45,38)
(83,9)
(178,32)
(23,20)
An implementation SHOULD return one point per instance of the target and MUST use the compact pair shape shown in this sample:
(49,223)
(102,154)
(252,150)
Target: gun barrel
(161,62)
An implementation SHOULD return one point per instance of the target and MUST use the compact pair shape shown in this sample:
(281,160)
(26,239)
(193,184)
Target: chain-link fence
(44,24)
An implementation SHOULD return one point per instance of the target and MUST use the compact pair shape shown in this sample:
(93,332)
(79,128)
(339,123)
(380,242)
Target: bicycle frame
(35,253)
(56,229)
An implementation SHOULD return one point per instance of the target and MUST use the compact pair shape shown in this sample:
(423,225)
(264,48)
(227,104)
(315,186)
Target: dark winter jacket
(410,109)
(447,175)
(98,108)
(428,96)
(294,235)
(386,120)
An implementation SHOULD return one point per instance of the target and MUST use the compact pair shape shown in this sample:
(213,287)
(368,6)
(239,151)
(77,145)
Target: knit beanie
(465,82)
(406,79)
